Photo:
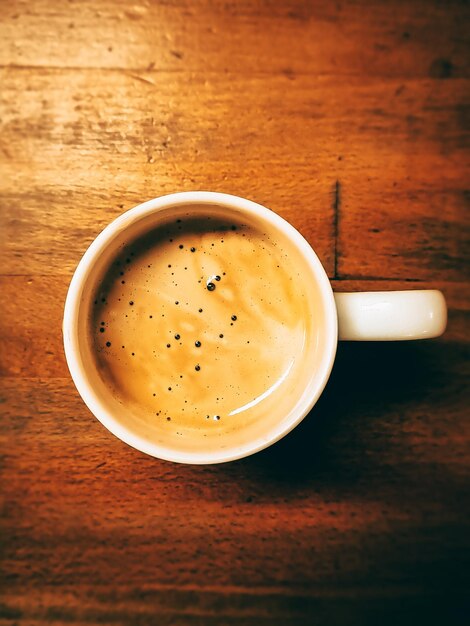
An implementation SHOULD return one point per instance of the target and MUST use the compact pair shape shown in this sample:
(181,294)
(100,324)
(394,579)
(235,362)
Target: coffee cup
(201,327)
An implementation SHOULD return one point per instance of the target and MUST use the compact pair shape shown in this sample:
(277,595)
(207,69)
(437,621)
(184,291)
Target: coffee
(200,326)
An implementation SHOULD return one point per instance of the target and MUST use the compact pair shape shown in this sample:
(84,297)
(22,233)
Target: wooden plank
(31,326)
(340,509)
(403,199)
(394,225)
(99,142)
(180,606)
(88,144)
(32,307)
(353,38)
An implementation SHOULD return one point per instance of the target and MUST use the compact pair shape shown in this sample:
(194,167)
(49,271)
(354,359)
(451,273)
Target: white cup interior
(304,386)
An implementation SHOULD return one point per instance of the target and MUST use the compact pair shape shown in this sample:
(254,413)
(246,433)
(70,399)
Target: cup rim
(84,269)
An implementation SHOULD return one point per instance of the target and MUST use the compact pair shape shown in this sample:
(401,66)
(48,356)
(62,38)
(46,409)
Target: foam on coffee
(200,326)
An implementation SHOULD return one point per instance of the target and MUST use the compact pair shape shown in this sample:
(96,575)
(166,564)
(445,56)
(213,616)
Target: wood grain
(350,38)
(349,119)
(396,152)
(362,503)
(118,141)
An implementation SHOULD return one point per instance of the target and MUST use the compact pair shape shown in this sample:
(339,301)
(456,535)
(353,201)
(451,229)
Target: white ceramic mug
(382,316)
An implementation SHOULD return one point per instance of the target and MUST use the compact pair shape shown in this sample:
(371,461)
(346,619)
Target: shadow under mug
(368,316)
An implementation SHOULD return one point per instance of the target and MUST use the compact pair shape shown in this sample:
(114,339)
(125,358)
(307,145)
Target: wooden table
(350,119)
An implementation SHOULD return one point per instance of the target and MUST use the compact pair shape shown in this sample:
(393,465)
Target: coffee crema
(200,326)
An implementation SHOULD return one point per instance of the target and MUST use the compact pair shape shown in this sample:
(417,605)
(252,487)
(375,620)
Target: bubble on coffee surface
(193,300)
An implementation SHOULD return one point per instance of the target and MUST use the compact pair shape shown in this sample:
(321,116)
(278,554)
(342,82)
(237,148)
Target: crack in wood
(336,207)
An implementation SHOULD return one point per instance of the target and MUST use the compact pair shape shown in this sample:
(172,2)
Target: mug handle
(391,315)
